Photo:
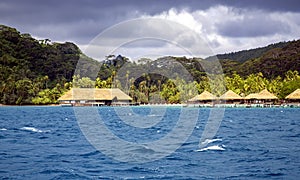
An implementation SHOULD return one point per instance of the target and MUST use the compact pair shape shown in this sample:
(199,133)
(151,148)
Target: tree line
(179,91)
(40,71)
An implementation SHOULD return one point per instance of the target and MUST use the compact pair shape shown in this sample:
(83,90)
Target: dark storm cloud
(268,5)
(32,13)
(80,21)
(253,27)
(77,20)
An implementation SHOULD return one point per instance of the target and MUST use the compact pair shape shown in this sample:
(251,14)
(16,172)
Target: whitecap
(208,141)
(212,148)
(3,129)
(154,115)
(31,129)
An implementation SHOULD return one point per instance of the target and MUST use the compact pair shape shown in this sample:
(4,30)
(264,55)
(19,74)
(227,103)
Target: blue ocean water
(47,143)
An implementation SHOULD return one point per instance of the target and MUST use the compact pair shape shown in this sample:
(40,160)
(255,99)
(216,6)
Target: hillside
(277,60)
(28,65)
(244,55)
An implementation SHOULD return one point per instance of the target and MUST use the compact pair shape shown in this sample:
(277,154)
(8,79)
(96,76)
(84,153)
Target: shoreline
(28,105)
(230,106)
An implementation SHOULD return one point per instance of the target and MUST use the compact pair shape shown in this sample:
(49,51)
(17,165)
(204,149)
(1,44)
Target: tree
(170,92)
(83,82)
(22,91)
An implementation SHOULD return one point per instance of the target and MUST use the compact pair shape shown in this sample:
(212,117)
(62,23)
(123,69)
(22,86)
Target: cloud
(224,25)
(78,21)
(228,29)
(147,36)
(253,24)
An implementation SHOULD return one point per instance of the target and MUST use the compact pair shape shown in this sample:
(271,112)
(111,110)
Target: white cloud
(230,29)
(225,29)
(144,36)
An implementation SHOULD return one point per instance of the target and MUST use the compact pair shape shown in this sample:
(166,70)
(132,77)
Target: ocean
(41,142)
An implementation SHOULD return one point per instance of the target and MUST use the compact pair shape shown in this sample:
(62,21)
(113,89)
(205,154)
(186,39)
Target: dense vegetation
(39,71)
(245,55)
(272,63)
(30,68)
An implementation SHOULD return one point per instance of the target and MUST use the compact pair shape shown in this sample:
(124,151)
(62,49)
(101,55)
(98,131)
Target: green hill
(244,55)
(272,63)
(28,65)
(275,62)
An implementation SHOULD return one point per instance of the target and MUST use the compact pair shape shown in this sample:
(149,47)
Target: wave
(3,129)
(212,148)
(208,141)
(33,129)
(154,115)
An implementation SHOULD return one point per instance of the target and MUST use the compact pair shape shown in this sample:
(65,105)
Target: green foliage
(40,71)
(170,92)
(245,55)
(49,96)
(84,82)
(254,83)
(25,61)
(273,63)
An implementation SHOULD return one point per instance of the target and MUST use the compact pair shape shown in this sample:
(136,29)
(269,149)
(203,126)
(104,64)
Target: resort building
(94,97)
(263,97)
(230,97)
(205,99)
(294,97)
(252,98)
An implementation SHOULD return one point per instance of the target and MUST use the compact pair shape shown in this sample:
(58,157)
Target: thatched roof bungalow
(204,97)
(266,95)
(231,97)
(251,96)
(294,97)
(263,97)
(94,96)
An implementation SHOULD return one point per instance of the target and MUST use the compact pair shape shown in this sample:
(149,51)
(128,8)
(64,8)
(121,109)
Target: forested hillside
(242,56)
(273,60)
(28,66)
(40,71)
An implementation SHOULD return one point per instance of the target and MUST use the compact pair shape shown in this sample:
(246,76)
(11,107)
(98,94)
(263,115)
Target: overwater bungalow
(264,97)
(252,98)
(94,97)
(294,97)
(230,97)
(204,98)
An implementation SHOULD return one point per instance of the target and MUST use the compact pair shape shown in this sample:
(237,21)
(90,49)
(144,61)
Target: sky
(127,27)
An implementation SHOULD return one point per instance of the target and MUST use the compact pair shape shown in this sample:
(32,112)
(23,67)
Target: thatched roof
(204,96)
(265,94)
(252,96)
(94,94)
(230,95)
(294,95)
